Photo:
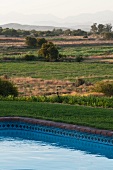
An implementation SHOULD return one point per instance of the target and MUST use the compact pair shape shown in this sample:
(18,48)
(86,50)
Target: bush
(107,35)
(41,41)
(79,82)
(7,88)
(49,52)
(31,41)
(85,36)
(79,59)
(105,87)
(29,57)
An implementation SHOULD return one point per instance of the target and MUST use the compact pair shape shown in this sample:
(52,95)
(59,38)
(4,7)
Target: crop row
(105,102)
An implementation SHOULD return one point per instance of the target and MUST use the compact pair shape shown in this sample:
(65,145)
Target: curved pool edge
(66,126)
(86,139)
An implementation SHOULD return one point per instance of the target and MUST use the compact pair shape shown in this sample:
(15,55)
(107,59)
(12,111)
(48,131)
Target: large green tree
(49,52)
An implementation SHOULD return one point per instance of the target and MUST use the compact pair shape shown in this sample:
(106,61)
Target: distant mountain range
(34,21)
(30,27)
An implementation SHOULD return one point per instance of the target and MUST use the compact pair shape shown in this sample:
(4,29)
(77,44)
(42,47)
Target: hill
(30,27)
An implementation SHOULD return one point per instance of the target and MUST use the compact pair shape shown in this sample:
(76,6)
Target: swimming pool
(25,146)
(20,154)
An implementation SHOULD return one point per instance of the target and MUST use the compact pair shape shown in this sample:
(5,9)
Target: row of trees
(55,32)
(104,30)
(101,28)
(13,32)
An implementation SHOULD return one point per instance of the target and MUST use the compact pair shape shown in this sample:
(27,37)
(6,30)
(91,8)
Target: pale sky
(59,8)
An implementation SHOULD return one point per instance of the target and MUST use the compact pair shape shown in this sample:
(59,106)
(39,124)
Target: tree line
(55,32)
(105,30)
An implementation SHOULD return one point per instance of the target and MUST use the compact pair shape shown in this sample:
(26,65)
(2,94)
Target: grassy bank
(87,116)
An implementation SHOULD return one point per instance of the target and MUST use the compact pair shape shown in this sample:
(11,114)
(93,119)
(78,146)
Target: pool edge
(66,126)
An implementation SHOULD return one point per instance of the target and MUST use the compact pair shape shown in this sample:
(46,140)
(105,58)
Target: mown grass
(87,116)
(58,70)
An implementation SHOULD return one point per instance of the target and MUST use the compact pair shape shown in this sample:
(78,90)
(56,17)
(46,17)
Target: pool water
(22,154)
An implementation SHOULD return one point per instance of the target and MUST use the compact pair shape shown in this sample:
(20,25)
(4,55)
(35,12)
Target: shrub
(29,57)
(105,87)
(79,59)
(85,36)
(31,41)
(7,88)
(79,82)
(107,35)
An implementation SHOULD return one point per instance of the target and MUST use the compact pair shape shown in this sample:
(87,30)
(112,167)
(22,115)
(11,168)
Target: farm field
(40,78)
(46,78)
(90,50)
(34,78)
(58,70)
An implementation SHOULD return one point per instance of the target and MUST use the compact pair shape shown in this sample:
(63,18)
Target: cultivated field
(46,78)
(67,82)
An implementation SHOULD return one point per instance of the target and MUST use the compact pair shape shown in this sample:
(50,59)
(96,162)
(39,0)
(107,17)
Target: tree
(41,41)
(101,28)
(78,32)
(67,32)
(24,32)
(10,32)
(57,32)
(1,30)
(108,28)
(31,41)
(94,28)
(49,52)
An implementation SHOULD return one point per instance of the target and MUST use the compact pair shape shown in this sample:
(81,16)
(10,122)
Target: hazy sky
(59,8)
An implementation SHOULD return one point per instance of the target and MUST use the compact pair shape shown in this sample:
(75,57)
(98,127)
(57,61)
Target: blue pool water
(25,146)
(44,154)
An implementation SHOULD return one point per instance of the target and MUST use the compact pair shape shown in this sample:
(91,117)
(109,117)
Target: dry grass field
(63,41)
(36,87)
(10,41)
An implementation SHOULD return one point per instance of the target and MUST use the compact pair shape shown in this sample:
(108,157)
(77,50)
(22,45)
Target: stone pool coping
(66,126)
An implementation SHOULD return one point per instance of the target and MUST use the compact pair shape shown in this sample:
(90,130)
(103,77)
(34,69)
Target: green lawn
(58,70)
(93,117)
